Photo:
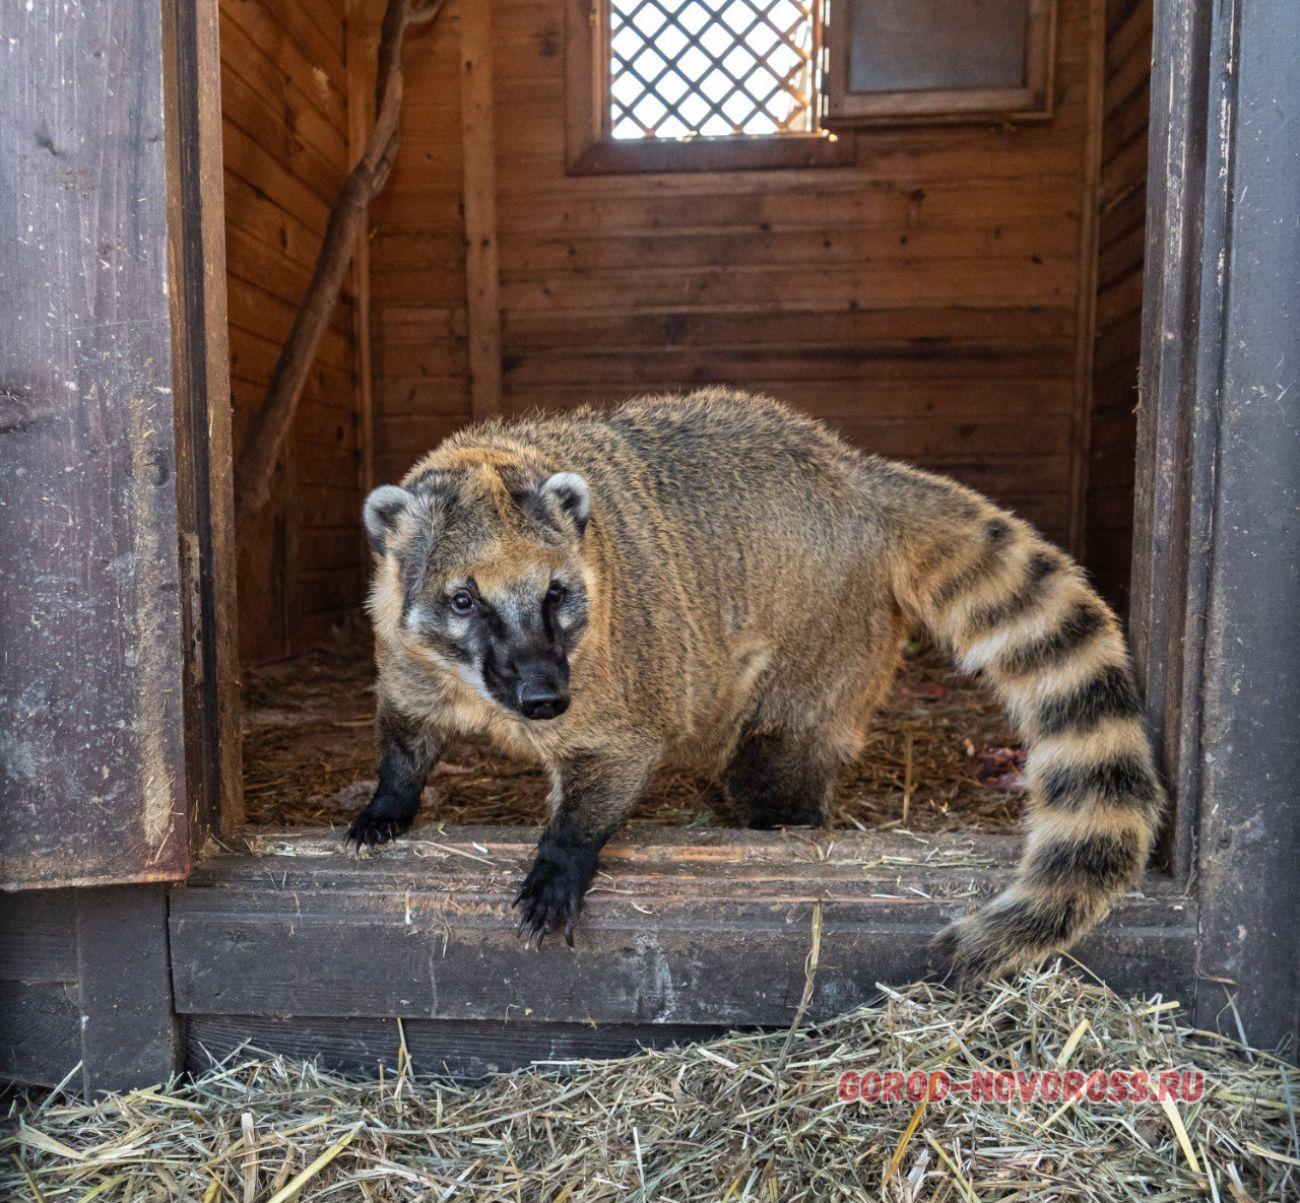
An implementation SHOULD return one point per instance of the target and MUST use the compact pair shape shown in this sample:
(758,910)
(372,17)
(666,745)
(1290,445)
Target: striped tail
(1020,613)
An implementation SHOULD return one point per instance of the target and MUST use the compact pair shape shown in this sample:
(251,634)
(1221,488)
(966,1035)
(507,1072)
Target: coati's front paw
(380,822)
(553,890)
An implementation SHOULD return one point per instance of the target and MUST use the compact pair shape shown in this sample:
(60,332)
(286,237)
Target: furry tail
(1020,613)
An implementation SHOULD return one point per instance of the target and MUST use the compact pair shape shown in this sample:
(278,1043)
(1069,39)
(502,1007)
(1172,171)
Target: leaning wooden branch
(274,418)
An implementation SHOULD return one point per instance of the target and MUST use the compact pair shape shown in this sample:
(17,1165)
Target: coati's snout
(483,563)
(523,649)
(535,688)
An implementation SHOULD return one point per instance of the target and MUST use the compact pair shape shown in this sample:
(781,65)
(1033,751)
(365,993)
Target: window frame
(1033,102)
(590,149)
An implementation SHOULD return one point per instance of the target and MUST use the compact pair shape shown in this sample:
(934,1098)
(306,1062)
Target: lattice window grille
(711,68)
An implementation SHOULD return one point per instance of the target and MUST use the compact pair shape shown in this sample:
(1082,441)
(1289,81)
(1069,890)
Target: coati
(718,581)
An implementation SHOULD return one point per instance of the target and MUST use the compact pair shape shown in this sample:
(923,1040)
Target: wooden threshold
(684,926)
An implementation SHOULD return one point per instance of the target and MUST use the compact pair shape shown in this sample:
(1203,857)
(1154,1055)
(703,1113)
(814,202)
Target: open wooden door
(116,651)
(105,489)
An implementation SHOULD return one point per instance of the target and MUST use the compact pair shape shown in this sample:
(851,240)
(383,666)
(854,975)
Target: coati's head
(481,572)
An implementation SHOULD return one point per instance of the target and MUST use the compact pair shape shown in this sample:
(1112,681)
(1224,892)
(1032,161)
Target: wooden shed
(1049,247)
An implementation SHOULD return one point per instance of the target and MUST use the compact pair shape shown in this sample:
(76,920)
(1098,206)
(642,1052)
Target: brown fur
(749,581)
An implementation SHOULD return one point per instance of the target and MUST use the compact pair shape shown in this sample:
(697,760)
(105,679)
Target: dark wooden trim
(40,1020)
(128,1024)
(201,371)
(743,153)
(682,927)
(589,149)
(1032,102)
(1247,380)
(1177,435)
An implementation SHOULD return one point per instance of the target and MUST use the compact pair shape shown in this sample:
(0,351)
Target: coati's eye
(462,601)
(556,593)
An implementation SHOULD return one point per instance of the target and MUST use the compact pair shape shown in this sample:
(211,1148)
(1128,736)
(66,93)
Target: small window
(711,68)
(939,59)
(671,85)
(700,85)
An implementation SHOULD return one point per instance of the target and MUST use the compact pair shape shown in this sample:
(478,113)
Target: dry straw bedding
(749,1116)
(940,755)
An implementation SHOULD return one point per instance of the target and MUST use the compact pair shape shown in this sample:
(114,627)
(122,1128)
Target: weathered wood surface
(40,1031)
(84,980)
(1248,395)
(92,768)
(203,435)
(1176,429)
(681,927)
(127,1023)
(40,1019)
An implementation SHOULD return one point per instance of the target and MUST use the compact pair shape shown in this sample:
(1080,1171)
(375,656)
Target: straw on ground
(750,1116)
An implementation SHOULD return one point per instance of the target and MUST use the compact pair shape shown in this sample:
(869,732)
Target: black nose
(541,699)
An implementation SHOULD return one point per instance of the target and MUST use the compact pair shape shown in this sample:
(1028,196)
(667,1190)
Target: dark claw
(368,829)
(551,896)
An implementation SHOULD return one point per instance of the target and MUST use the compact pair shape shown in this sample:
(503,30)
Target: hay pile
(941,756)
(754,1116)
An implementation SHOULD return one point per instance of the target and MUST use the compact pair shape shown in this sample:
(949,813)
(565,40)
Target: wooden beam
(683,926)
(482,271)
(205,452)
(1086,312)
(362,40)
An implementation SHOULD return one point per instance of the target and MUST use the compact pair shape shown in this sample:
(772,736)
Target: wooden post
(482,272)
(128,1028)
(204,449)
(1086,311)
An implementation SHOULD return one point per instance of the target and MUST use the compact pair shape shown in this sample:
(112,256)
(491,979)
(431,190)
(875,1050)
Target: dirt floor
(941,756)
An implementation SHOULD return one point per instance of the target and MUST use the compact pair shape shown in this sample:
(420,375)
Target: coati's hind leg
(780,779)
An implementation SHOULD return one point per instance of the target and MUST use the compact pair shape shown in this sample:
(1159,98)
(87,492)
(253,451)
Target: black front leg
(408,750)
(595,795)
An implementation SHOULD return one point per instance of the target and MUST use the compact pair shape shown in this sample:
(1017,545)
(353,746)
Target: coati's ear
(573,495)
(383,507)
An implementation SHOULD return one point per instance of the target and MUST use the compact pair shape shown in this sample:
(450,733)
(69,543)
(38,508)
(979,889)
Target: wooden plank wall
(1122,234)
(924,300)
(284,83)
(417,260)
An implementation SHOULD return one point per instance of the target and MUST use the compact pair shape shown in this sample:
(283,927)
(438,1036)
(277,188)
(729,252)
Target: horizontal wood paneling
(1113,444)
(285,138)
(417,260)
(924,300)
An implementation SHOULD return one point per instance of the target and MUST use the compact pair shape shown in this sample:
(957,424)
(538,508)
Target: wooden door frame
(1217,477)
(205,451)
(1189,481)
